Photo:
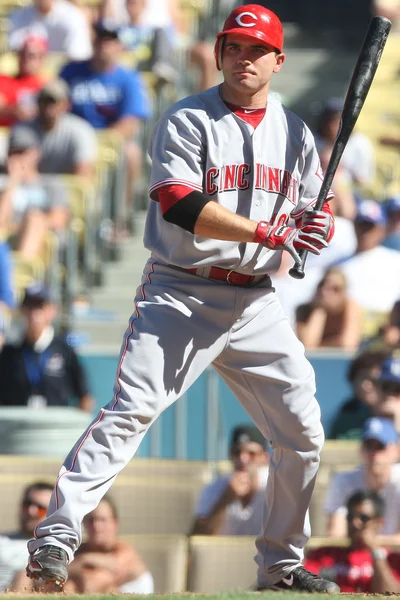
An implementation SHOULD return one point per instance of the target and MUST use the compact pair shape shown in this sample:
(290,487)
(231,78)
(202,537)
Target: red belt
(231,277)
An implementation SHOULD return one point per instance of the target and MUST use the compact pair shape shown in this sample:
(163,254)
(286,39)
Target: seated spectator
(389,390)
(68,144)
(391,331)
(392,239)
(358,158)
(364,565)
(59,21)
(331,319)
(29,206)
(362,375)
(153,42)
(104,563)
(42,370)
(13,550)
(371,257)
(379,473)
(18,94)
(233,504)
(108,96)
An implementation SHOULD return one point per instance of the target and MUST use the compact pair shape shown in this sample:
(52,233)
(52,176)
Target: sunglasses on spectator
(364,518)
(251,453)
(373,445)
(41,510)
(390,387)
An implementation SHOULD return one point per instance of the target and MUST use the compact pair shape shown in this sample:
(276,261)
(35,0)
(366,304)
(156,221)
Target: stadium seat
(221,564)
(343,452)
(164,505)
(166,557)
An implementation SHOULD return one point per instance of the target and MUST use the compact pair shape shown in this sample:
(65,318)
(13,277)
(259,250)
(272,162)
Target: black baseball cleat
(49,563)
(301,580)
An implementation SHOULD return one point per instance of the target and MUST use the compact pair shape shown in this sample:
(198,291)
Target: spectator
(389,390)
(68,144)
(233,504)
(13,550)
(331,319)
(154,42)
(43,370)
(391,332)
(379,473)
(18,94)
(59,21)
(362,375)
(358,158)
(169,16)
(371,258)
(29,206)
(109,96)
(6,290)
(104,563)
(363,565)
(392,239)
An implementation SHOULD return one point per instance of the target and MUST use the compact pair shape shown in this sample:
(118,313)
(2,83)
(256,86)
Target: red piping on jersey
(134,317)
(168,195)
(193,186)
(253,118)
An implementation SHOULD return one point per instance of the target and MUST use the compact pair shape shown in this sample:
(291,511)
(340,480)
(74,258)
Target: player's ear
(280,59)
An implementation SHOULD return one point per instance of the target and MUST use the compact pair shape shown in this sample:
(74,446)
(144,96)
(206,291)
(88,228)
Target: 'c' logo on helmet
(239,18)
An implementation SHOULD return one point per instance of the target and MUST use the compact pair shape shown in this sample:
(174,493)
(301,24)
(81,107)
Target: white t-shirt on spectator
(358,159)
(345,484)
(13,558)
(373,278)
(65,28)
(141,585)
(239,520)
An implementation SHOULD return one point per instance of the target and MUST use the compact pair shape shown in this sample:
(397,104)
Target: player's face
(101,527)
(33,510)
(248,64)
(248,454)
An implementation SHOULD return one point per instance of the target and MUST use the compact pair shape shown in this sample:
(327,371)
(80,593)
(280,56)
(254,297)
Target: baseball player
(234,175)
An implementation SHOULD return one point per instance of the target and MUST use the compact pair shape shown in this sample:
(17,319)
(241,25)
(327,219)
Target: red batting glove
(280,237)
(319,221)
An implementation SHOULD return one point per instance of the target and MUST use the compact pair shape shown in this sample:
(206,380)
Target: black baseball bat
(364,72)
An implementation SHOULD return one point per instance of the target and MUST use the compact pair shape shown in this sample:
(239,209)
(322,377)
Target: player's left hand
(319,222)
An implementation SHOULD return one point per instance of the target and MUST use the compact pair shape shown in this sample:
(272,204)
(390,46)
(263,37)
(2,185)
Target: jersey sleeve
(176,151)
(311,177)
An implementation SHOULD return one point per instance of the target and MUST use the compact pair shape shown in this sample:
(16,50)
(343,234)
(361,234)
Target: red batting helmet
(254,21)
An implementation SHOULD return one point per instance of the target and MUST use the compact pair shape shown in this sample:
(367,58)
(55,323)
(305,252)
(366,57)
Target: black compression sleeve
(185,212)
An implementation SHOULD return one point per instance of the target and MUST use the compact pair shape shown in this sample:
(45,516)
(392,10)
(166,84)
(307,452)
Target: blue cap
(36,293)
(391,369)
(381,429)
(333,105)
(370,211)
(392,204)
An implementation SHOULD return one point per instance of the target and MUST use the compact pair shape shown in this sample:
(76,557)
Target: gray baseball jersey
(270,173)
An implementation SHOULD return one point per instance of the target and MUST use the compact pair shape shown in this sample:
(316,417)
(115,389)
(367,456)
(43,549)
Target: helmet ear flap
(218,50)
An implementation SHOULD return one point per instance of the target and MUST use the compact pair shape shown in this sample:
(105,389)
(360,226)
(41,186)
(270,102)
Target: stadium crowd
(81,84)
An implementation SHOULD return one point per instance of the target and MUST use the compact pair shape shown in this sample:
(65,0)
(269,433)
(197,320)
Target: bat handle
(297,271)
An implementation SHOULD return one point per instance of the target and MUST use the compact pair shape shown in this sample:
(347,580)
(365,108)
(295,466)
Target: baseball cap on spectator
(391,369)
(381,429)
(107,28)
(370,211)
(247,433)
(35,42)
(22,138)
(36,295)
(392,204)
(55,90)
(332,106)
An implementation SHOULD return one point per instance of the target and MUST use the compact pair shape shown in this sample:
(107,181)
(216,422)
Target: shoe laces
(305,576)
(55,552)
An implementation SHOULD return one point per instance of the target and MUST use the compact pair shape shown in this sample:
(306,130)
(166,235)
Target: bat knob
(297,272)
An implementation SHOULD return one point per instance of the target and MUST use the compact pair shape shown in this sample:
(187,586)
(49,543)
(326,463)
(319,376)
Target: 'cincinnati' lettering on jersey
(235,177)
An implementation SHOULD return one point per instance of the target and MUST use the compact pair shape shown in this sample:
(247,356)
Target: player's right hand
(291,239)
